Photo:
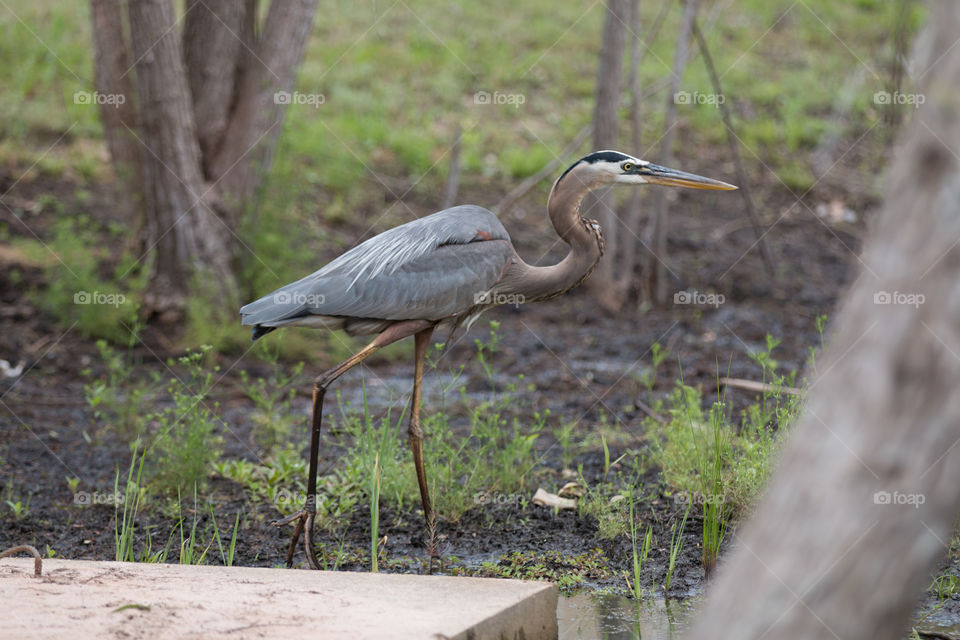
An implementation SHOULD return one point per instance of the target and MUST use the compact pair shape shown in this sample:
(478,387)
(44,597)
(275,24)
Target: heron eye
(627,166)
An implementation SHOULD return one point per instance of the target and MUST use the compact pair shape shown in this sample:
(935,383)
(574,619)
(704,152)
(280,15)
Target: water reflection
(609,617)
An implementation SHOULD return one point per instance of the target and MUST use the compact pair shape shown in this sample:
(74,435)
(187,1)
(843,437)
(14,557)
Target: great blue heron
(450,267)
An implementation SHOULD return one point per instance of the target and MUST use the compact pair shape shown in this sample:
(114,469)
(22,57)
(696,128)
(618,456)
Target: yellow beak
(656,174)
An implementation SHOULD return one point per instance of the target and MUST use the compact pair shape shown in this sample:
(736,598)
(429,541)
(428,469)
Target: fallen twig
(545,499)
(759,387)
(649,411)
(25,548)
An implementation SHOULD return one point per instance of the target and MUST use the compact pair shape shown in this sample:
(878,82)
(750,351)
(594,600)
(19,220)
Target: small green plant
(676,546)
(273,418)
(946,586)
(649,376)
(485,350)
(640,552)
(186,443)
(124,524)
(374,513)
(564,435)
(607,464)
(226,555)
(18,508)
(190,545)
(712,488)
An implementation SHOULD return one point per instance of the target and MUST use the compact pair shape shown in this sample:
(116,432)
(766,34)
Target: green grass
(640,550)
(81,292)
(125,521)
(676,547)
(374,514)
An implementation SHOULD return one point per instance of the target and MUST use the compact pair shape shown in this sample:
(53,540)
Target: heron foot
(304,519)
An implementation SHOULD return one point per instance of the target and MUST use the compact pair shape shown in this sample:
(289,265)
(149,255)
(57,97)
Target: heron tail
(259,331)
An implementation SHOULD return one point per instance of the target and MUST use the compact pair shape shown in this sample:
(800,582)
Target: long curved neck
(582,235)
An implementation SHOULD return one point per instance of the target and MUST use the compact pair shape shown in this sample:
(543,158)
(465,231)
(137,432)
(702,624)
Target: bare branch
(743,181)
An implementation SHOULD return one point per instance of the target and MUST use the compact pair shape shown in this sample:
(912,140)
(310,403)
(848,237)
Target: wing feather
(430,268)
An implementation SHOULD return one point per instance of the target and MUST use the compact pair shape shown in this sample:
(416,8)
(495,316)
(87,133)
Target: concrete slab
(83,599)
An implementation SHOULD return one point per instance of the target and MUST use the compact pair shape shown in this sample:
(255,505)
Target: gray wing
(430,268)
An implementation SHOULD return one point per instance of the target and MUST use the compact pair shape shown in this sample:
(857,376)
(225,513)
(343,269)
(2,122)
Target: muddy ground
(583,364)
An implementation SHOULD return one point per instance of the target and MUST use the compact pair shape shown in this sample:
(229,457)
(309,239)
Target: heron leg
(422,342)
(305,517)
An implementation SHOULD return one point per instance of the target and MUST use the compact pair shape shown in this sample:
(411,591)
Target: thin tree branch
(743,181)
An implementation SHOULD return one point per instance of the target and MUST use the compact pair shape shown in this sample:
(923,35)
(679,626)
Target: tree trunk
(256,123)
(208,124)
(212,53)
(602,204)
(657,261)
(110,63)
(183,230)
(866,495)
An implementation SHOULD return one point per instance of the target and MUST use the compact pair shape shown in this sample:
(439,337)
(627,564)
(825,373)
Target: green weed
(125,522)
(226,555)
(273,419)
(640,551)
(190,546)
(676,546)
(186,444)
(374,513)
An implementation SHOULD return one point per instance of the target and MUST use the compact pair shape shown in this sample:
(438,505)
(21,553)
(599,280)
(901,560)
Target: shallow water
(588,616)
(610,617)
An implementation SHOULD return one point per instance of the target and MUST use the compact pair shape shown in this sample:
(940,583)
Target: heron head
(614,167)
